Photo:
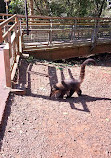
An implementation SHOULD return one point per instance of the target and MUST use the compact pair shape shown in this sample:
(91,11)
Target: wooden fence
(10,38)
(47,32)
(56,31)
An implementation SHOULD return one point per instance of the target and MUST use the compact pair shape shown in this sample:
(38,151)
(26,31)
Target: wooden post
(75,26)
(21,44)
(14,50)
(20,38)
(72,33)
(9,41)
(7,65)
(17,42)
(17,25)
(16,19)
(50,33)
(4,25)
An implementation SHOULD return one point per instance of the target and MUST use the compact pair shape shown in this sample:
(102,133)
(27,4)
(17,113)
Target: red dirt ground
(34,126)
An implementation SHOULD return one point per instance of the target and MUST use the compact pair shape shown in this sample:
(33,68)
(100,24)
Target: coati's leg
(79,92)
(61,96)
(63,92)
(71,92)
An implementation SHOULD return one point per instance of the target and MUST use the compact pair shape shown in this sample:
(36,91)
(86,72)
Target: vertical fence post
(7,66)
(4,26)
(75,26)
(21,44)
(16,21)
(73,36)
(14,51)
(17,42)
(17,34)
(72,33)
(50,33)
(9,41)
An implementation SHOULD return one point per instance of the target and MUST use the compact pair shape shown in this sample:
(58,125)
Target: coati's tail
(82,72)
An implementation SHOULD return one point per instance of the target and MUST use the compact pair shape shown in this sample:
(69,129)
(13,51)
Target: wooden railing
(74,30)
(66,29)
(47,32)
(10,38)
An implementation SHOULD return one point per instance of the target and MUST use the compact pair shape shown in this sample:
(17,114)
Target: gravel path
(34,126)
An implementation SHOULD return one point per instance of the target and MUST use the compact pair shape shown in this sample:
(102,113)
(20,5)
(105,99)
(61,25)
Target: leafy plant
(30,59)
(16,7)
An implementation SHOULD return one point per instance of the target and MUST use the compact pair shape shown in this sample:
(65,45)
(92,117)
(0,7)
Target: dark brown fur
(69,86)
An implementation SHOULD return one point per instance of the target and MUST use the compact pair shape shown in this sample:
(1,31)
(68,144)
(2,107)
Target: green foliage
(74,8)
(78,8)
(30,59)
(16,7)
(57,9)
(42,7)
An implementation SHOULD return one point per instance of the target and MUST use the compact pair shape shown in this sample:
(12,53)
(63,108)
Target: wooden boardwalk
(55,38)
(64,50)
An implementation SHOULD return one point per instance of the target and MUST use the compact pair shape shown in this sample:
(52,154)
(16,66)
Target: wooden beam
(69,52)
(15,67)
(7,65)
(7,21)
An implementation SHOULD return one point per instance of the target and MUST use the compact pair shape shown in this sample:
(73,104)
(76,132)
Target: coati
(69,86)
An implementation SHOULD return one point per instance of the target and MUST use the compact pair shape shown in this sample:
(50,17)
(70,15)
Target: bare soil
(35,126)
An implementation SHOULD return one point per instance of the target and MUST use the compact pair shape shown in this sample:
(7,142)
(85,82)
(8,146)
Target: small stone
(9,131)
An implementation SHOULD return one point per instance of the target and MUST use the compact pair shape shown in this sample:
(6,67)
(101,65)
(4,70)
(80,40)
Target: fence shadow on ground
(25,72)
(4,122)
(54,79)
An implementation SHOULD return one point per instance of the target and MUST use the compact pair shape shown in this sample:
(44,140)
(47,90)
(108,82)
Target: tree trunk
(31,10)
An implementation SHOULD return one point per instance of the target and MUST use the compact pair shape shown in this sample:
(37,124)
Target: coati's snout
(55,92)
